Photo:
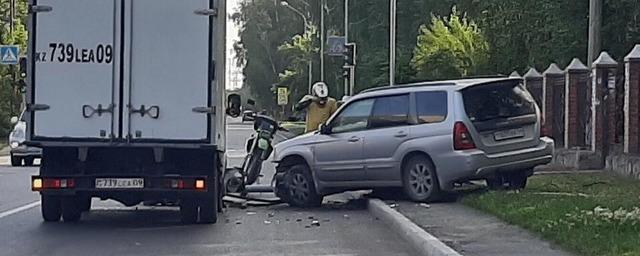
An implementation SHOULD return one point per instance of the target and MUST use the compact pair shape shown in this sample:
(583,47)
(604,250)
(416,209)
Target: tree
(450,47)
(10,96)
(299,51)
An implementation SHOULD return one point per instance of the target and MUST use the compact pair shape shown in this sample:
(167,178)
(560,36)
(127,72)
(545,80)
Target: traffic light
(346,71)
(23,67)
(350,54)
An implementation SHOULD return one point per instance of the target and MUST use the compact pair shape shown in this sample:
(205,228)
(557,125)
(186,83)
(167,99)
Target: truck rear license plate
(106,183)
(509,134)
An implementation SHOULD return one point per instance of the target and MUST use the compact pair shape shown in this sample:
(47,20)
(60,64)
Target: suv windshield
(497,100)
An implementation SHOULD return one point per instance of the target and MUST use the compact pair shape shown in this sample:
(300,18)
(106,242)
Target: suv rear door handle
(354,139)
(401,134)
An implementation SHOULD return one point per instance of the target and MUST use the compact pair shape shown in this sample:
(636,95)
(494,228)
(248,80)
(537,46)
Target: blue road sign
(9,54)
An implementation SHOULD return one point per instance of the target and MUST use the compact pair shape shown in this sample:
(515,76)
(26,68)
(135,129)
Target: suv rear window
(431,107)
(497,100)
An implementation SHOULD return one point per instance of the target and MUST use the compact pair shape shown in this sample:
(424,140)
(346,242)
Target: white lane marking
(19,209)
(260,244)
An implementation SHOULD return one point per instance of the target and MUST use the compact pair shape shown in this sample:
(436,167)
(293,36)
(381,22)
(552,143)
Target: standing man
(319,106)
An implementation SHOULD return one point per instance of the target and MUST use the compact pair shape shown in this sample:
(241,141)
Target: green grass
(570,211)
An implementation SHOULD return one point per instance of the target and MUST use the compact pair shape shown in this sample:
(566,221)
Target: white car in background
(19,151)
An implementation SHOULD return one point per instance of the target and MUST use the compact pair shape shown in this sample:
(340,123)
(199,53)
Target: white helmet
(320,90)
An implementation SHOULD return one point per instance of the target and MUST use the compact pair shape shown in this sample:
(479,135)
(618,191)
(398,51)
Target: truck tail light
(200,184)
(462,137)
(52,183)
(176,184)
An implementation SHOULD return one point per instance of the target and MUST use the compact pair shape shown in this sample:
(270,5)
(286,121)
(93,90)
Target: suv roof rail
(401,86)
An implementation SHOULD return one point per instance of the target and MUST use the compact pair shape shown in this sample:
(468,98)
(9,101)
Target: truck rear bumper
(153,185)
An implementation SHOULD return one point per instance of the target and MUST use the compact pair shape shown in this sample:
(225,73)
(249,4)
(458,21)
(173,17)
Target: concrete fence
(580,111)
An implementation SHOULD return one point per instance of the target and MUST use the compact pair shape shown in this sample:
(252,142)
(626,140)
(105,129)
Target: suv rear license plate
(107,183)
(509,134)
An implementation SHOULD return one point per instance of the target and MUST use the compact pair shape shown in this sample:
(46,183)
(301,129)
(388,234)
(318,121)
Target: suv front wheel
(299,189)
(419,179)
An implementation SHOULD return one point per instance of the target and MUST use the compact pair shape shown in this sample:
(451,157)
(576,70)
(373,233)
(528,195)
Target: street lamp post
(346,40)
(306,28)
(322,4)
(392,44)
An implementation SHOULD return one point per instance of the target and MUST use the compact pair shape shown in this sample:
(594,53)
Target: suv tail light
(462,138)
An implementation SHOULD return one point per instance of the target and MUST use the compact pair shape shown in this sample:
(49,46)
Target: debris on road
(425,205)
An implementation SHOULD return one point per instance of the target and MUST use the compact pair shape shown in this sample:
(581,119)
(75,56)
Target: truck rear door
(169,70)
(74,76)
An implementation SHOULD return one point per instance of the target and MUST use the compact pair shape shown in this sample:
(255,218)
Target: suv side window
(354,117)
(390,111)
(431,107)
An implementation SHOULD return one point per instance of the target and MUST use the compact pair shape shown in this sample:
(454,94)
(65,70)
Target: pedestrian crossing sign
(9,54)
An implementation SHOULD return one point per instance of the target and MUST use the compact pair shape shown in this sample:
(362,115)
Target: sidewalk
(471,232)
(4,151)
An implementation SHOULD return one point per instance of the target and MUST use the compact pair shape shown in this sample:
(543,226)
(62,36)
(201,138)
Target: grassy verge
(591,214)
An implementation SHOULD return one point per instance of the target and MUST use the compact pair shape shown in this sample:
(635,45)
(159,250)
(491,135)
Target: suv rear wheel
(517,180)
(419,179)
(28,161)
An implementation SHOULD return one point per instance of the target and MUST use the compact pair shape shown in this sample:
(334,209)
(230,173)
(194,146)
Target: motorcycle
(259,147)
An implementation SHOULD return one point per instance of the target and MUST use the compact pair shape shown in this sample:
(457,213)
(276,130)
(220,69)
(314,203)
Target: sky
(232,36)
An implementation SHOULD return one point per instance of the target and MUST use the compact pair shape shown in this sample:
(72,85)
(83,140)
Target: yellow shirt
(318,114)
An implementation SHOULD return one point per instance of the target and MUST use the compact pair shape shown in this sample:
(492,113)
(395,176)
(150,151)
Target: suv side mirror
(325,129)
(14,120)
(234,102)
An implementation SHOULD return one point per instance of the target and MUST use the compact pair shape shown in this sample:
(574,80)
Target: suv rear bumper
(476,164)
(26,151)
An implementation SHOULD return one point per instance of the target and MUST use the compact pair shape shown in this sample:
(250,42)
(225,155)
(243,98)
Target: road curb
(423,242)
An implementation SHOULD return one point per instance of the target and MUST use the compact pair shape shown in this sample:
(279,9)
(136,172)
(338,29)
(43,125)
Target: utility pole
(392,43)
(322,42)
(346,40)
(595,25)
(12,17)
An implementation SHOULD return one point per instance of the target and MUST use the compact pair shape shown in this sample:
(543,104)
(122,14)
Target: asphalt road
(342,227)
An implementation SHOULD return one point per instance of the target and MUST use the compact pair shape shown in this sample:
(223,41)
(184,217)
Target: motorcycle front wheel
(252,166)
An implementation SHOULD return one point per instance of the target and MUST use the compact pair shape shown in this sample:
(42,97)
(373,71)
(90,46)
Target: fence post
(533,83)
(553,96)
(603,105)
(631,94)
(576,104)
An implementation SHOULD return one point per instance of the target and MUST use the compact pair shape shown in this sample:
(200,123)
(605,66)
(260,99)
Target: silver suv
(423,137)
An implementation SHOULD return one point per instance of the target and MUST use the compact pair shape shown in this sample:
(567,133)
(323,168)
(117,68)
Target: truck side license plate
(107,183)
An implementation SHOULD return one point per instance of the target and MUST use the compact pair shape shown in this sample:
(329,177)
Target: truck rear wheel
(51,208)
(188,211)
(71,209)
(209,211)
